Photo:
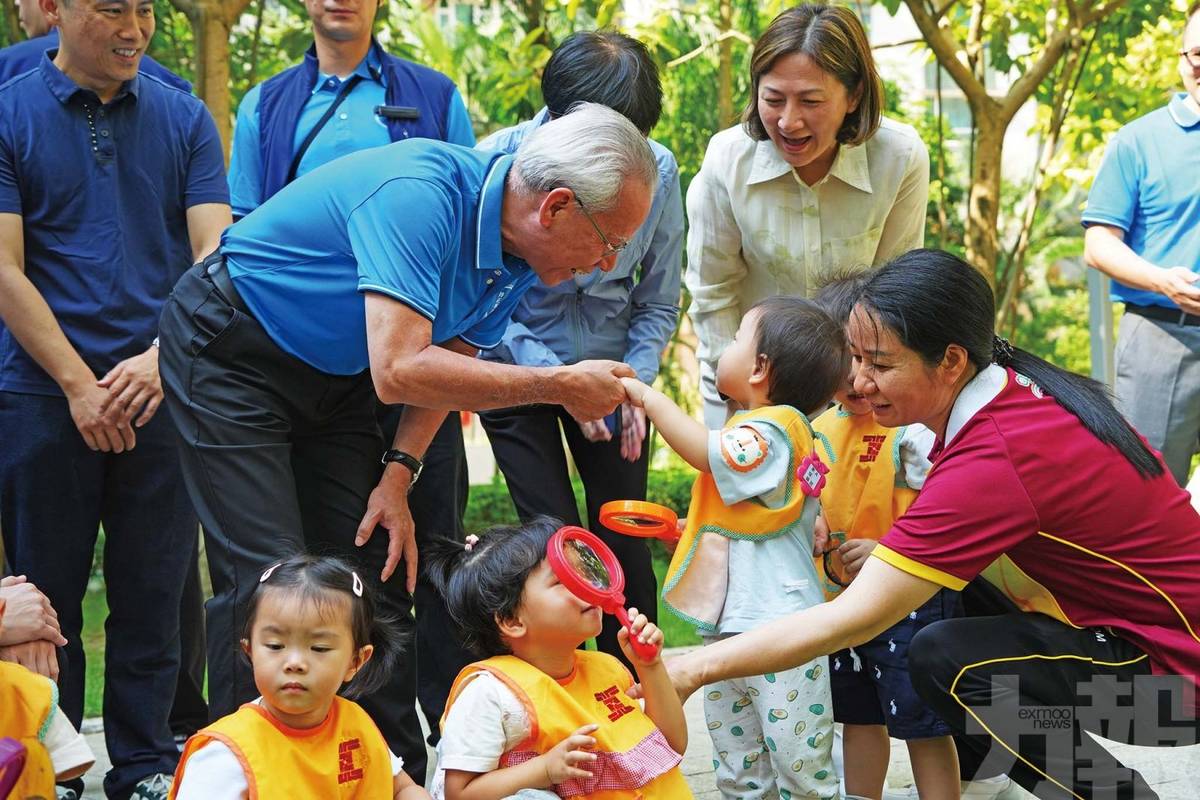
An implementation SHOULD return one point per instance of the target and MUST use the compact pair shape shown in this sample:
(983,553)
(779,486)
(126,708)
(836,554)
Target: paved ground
(1172,772)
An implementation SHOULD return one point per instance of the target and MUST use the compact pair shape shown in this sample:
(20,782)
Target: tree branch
(1024,87)
(945,49)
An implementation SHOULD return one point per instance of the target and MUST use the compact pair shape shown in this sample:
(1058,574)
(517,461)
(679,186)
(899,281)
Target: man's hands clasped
(107,411)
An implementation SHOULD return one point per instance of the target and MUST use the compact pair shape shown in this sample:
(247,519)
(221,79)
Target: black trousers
(437,503)
(55,494)
(528,449)
(279,458)
(1025,690)
(189,711)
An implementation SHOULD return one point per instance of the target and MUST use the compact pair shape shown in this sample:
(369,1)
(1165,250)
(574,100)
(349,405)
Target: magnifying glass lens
(587,564)
(638,521)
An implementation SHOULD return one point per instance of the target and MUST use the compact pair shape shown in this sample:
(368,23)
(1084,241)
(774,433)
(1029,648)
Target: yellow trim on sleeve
(906,564)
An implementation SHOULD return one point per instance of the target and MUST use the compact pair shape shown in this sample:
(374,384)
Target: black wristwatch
(414,464)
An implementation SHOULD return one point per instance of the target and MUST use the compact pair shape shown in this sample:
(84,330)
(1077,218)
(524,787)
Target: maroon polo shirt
(1023,494)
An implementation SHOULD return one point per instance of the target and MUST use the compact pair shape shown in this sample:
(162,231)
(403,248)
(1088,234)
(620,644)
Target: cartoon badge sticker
(743,448)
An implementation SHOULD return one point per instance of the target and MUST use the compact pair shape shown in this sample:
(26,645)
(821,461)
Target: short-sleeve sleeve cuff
(924,571)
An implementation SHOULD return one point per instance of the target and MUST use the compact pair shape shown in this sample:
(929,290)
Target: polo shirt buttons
(489,281)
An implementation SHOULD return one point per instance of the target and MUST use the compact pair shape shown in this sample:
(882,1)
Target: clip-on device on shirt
(591,572)
(397,112)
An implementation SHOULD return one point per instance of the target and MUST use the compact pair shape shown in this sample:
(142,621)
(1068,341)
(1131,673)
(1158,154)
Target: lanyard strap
(346,88)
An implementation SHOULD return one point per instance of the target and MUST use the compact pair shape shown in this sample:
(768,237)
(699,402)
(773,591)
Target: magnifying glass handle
(643,649)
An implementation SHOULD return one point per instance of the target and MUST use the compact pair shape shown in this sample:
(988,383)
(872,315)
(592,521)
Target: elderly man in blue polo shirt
(627,314)
(111,184)
(349,95)
(381,273)
(1143,230)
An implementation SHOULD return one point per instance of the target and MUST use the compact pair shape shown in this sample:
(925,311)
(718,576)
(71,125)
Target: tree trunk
(983,207)
(725,116)
(212,21)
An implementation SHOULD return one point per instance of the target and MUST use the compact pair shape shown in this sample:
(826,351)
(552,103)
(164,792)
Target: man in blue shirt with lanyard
(379,275)
(627,314)
(24,56)
(349,95)
(97,222)
(1143,230)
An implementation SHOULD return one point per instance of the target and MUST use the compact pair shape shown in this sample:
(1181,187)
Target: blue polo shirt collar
(489,251)
(1184,115)
(370,68)
(63,88)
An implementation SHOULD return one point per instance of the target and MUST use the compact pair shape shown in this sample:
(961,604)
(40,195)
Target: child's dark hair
(840,290)
(324,581)
(806,350)
(931,299)
(485,583)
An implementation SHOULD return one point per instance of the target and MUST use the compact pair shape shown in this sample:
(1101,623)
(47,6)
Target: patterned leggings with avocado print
(772,735)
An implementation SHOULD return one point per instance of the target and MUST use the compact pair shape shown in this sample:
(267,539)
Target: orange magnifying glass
(640,518)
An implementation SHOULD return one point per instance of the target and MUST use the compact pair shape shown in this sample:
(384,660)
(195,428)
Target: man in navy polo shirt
(1143,230)
(382,273)
(97,221)
(24,56)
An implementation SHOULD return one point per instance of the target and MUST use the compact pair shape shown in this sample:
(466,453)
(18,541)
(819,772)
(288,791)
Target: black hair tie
(1003,352)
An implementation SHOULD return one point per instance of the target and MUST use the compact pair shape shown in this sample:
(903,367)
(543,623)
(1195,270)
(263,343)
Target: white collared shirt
(757,230)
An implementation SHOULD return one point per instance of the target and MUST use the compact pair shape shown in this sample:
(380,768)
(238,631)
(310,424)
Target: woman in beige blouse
(814,179)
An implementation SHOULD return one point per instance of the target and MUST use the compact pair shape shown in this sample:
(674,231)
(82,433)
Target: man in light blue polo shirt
(347,94)
(1143,230)
(627,314)
(382,273)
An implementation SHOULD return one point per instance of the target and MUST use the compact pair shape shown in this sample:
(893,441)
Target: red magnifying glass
(591,572)
(639,518)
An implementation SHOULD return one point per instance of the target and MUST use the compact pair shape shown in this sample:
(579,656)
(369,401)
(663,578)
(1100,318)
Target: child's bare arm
(404,788)
(662,703)
(686,436)
(563,762)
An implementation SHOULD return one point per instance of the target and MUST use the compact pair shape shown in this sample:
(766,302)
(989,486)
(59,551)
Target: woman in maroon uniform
(1039,486)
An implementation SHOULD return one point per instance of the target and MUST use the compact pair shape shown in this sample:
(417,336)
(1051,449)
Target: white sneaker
(1000,787)
(153,787)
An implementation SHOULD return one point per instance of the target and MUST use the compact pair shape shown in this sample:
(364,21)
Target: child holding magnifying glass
(539,718)
(745,557)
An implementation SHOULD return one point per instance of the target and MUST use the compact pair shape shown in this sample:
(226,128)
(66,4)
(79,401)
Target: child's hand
(563,760)
(820,535)
(635,390)
(645,631)
(854,554)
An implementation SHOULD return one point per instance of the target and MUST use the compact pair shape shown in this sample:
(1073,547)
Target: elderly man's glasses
(1192,57)
(610,248)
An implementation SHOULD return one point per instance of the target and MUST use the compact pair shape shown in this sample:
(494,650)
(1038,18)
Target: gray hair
(592,150)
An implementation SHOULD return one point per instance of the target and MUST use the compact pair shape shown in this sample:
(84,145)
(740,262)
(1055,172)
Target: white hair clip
(470,542)
(270,571)
(357,585)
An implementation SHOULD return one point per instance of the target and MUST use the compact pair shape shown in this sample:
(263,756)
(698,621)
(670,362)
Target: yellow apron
(343,757)
(864,494)
(698,577)
(635,762)
(26,700)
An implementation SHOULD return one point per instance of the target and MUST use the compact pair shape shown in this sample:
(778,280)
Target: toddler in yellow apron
(745,557)
(311,632)
(538,717)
